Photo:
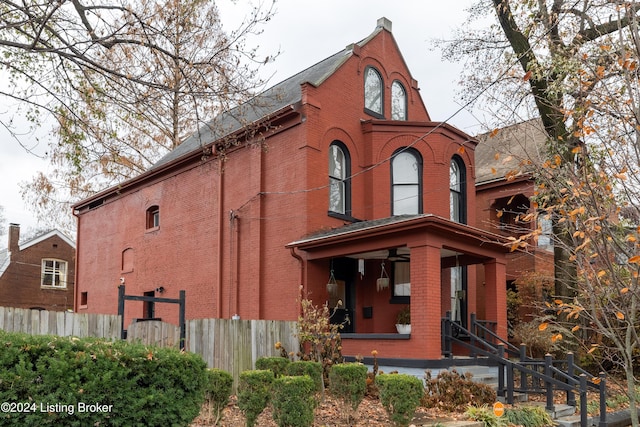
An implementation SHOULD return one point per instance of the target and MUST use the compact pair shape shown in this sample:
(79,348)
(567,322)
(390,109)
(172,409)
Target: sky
(305,32)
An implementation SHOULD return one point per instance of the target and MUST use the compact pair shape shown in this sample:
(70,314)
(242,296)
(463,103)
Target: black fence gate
(181,313)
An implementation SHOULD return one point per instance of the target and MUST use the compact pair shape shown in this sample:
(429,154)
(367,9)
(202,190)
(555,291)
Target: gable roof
(5,254)
(42,237)
(510,149)
(269,102)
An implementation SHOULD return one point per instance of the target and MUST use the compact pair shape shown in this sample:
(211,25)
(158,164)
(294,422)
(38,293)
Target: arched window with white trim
(406,184)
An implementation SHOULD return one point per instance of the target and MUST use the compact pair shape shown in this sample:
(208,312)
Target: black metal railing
(542,376)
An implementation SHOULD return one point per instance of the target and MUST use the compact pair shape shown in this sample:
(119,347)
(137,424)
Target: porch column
(425,302)
(495,278)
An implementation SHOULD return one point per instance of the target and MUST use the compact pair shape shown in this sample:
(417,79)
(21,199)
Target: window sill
(400,300)
(374,114)
(83,307)
(152,229)
(62,288)
(341,216)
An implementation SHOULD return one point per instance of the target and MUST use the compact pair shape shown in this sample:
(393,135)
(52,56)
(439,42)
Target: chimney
(384,23)
(14,237)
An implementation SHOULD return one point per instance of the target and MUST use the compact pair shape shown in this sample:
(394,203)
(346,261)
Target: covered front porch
(371,270)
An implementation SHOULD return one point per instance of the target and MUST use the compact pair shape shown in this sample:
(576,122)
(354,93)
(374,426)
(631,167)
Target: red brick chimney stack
(14,237)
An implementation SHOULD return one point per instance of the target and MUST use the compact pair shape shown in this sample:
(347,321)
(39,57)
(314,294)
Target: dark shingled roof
(356,226)
(283,94)
(509,149)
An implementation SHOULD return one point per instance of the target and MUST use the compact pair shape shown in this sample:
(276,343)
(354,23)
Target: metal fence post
(121,311)
(583,400)
(548,386)
(603,400)
(501,368)
(571,396)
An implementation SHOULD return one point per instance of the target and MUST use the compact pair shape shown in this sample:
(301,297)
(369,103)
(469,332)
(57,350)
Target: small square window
(84,297)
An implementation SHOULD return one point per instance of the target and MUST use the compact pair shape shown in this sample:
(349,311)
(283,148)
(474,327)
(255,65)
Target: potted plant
(403,321)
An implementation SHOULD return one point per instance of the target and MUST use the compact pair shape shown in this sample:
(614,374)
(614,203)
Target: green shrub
(293,402)
(528,416)
(133,384)
(305,367)
(277,365)
(454,392)
(348,383)
(218,389)
(400,395)
(485,415)
(254,390)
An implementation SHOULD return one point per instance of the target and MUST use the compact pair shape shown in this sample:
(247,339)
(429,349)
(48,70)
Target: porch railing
(542,376)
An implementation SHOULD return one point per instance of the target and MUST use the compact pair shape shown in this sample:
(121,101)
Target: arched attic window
(398,101)
(457,190)
(373,92)
(339,179)
(406,182)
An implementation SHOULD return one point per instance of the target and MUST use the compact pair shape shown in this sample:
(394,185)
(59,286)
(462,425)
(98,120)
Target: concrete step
(517,397)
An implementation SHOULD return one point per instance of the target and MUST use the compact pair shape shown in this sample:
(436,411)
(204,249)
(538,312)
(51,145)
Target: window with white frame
(54,273)
(153,217)
(406,185)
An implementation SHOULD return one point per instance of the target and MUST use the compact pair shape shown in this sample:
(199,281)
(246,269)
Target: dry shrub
(454,392)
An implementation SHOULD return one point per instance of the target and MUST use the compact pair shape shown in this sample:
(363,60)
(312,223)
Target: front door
(342,303)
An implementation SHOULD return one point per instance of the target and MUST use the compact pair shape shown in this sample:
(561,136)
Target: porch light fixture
(383,281)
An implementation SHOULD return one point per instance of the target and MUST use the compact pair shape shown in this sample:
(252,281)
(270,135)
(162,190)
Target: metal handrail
(573,380)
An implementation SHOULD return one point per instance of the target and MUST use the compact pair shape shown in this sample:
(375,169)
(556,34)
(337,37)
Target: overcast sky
(306,32)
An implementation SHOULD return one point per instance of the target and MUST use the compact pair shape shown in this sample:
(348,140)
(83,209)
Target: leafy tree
(573,65)
(125,82)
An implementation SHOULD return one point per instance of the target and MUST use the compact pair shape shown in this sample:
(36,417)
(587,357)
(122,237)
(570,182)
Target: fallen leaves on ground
(328,414)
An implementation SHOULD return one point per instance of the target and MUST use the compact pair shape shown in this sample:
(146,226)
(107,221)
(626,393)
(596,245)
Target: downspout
(303,285)
(75,273)
(219,251)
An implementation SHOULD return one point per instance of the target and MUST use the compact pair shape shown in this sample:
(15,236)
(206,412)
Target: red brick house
(353,182)
(38,273)
(504,186)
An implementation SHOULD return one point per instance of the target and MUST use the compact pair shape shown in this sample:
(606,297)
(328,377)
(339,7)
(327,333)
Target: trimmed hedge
(55,379)
(307,367)
(277,365)
(293,402)
(218,390)
(254,392)
(348,382)
(400,395)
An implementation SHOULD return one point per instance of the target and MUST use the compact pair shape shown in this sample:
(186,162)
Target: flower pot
(382,283)
(403,329)
(332,288)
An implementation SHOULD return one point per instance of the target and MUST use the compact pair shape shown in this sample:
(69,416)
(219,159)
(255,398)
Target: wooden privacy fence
(231,345)
(61,323)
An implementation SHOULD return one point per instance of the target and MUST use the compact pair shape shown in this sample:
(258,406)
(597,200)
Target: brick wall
(222,236)
(20,285)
